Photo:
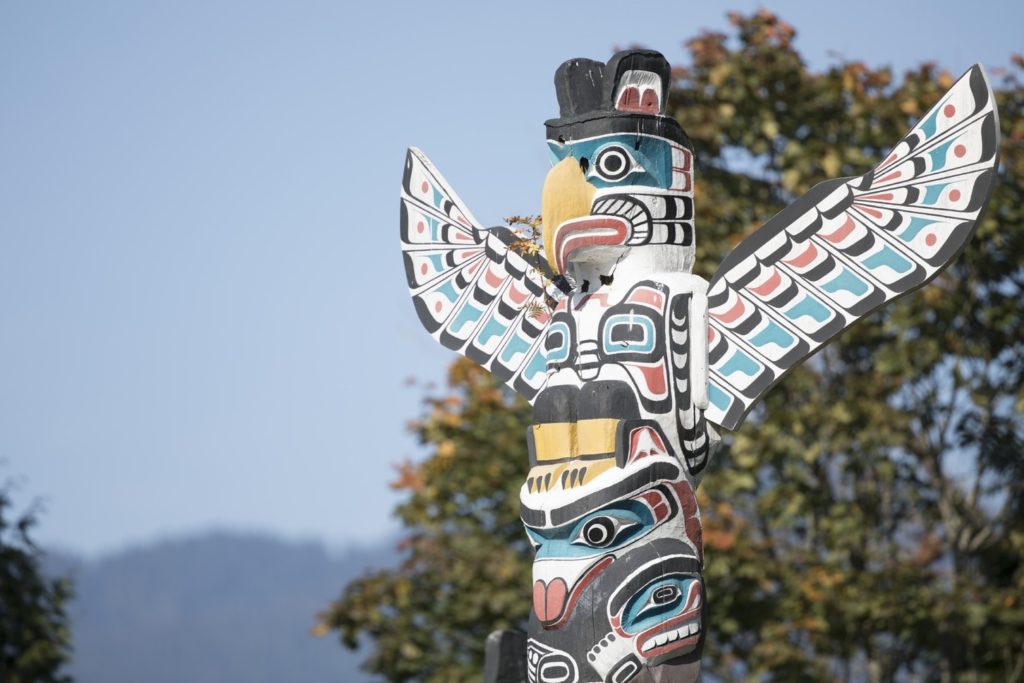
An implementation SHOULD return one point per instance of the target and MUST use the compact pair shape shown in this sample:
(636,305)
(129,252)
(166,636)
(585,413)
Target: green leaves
(868,519)
(35,640)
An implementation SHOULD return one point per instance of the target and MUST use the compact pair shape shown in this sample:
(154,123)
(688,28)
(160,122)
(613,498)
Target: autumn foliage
(867,522)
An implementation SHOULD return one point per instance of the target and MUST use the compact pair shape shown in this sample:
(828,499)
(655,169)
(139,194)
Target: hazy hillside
(222,608)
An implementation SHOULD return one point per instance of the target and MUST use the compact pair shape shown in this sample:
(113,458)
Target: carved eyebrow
(643,479)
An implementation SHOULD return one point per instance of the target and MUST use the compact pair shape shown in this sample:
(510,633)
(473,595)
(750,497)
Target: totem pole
(629,358)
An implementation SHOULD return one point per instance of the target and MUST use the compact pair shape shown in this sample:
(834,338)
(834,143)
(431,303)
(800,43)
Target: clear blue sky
(203,317)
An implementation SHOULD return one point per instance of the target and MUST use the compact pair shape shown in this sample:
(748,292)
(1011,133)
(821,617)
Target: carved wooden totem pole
(631,359)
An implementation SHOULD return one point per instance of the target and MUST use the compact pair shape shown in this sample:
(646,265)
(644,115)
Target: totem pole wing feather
(473,292)
(848,246)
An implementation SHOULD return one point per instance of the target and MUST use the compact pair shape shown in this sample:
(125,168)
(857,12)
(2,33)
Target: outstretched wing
(847,247)
(473,293)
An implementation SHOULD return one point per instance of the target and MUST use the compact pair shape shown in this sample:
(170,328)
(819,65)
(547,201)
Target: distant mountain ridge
(219,608)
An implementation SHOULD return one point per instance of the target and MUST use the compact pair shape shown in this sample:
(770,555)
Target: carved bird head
(623,171)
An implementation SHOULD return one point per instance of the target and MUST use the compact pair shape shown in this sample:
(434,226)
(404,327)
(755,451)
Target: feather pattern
(848,246)
(473,292)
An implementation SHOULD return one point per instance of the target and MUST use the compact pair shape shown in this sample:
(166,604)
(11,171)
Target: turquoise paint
(933,192)
(810,307)
(438,197)
(514,346)
(740,362)
(889,258)
(718,398)
(916,223)
(434,224)
(928,125)
(492,329)
(538,365)
(448,290)
(646,345)
(654,155)
(436,261)
(468,314)
(628,519)
(938,155)
(642,612)
(562,352)
(846,281)
(773,334)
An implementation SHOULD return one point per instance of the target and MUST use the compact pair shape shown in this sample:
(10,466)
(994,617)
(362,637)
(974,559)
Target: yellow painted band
(560,440)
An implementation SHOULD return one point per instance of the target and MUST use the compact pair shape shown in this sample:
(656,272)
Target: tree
(866,523)
(35,641)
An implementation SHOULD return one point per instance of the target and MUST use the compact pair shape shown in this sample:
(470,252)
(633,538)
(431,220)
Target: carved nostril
(584,164)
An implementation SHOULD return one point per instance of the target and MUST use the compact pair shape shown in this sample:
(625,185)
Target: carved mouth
(588,231)
(552,601)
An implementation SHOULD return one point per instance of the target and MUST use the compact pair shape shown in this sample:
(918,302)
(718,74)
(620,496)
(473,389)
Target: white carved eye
(601,532)
(613,163)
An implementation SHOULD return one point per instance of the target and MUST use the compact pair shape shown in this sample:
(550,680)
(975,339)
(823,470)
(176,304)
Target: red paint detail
(871,212)
(805,258)
(954,195)
(424,269)
(666,627)
(654,376)
(686,160)
(660,512)
(959,150)
(462,219)
(892,157)
(554,600)
(732,314)
(588,231)
(629,99)
(691,513)
(516,295)
(769,285)
(493,279)
(462,237)
(542,319)
(883,197)
(711,334)
(554,621)
(420,227)
(842,232)
(438,306)
(930,240)
(649,101)
(656,445)
(647,296)
(892,176)
(540,599)
(424,187)
(473,268)
(652,498)
(949,110)
(563,304)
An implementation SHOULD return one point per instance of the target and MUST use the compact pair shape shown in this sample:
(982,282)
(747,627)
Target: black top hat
(626,95)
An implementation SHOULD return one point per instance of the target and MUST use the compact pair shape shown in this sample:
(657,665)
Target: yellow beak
(566,195)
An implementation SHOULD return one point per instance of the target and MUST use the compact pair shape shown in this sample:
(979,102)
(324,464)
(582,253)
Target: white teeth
(662,639)
(693,627)
(649,645)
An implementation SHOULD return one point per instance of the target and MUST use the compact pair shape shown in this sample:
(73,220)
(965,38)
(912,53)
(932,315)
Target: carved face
(619,559)
(610,192)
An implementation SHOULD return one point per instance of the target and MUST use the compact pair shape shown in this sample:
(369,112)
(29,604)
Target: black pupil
(598,532)
(664,594)
(613,162)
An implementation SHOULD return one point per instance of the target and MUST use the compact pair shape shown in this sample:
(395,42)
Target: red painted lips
(588,231)
(549,599)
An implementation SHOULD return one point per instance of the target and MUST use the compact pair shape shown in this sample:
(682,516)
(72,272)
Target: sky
(203,314)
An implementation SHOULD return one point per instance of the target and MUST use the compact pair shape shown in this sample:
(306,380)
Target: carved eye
(661,597)
(601,532)
(613,163)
